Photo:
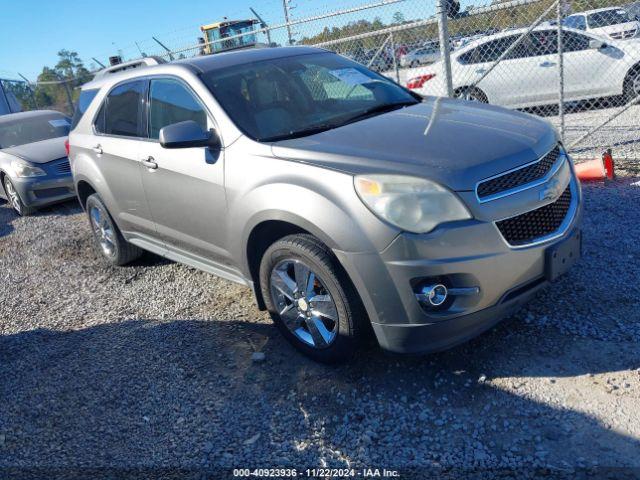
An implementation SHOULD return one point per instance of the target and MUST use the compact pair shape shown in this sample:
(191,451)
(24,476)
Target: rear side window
(171,102)
(86,97)
(487,52)
(121,113)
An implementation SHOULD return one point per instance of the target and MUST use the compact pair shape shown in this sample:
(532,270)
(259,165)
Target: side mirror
(188,134)
(596,44)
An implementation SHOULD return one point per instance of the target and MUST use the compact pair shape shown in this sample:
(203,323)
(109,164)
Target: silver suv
(342,199)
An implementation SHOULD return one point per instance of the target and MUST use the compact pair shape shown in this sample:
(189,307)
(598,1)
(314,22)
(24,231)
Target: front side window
(488,51)
(544,42)
(121,113)
(300,95)
(574,42)
(171,102)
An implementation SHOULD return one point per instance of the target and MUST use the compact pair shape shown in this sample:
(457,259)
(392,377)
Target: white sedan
(614,23)
(528,76)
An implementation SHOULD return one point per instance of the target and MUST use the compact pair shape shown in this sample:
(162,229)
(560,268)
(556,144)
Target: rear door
(186,188)
(119,128)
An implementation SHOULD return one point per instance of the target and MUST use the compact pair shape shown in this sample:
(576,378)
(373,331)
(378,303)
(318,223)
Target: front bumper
(41,191)
(466,254)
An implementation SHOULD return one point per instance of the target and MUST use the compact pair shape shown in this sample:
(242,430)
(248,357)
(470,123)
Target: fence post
(65,82)
(560,13)
(445,44)
(395,59)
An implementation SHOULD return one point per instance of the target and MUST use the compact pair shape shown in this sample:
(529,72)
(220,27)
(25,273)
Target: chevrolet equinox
(346,202)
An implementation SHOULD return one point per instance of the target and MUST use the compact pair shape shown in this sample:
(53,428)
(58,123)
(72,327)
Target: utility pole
(285,4)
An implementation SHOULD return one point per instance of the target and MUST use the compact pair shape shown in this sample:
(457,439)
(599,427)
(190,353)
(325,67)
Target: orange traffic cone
(590,171)
(607,159)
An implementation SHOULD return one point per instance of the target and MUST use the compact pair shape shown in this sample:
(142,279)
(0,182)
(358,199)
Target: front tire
(108,238)
(14,199)
(311,299)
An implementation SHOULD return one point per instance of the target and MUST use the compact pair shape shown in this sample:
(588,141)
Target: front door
(184,187)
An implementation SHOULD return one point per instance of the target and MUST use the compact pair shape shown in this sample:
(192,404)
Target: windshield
(33,129)
(301,95)
(608,17)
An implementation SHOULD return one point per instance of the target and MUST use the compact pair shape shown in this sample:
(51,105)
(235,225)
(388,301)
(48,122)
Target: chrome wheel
(635,86)
(12,195)
(304,303)
(103,231)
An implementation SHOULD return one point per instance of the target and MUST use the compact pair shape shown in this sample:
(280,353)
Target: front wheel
(14,199)
(311,299)
(471,94)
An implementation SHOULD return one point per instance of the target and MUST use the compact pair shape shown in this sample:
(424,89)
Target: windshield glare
(33,129)
(608,17)
(288,97)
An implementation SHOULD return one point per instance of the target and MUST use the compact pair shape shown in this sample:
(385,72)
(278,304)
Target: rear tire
(13,198)
(311,299)
(108,238)
(471,94)
(632,85)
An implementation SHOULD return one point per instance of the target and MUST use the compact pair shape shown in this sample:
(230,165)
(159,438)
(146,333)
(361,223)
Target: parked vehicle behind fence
(346,202)
(528,76)
(34,169)
(421,56)
(614,23)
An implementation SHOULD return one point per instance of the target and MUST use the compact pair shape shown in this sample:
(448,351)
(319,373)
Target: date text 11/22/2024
(316,473)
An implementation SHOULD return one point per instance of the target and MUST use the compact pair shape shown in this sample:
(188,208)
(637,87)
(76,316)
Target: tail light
(420,80)
(66,146)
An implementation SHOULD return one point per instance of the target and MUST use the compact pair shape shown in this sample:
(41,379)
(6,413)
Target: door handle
(97,149)
(150,163)
(547,64)
(481,70)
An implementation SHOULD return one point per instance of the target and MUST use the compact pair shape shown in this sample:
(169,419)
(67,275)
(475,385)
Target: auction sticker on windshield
(351,76)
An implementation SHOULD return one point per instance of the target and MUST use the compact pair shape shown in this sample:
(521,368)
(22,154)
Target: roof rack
(120,67)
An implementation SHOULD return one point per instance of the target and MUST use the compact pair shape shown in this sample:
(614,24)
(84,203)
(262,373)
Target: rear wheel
(472,94)
(310,298)
(14,199)
(632,85)
(109,240)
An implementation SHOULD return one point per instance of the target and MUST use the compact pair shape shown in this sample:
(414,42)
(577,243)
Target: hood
(39,152)
(452,142)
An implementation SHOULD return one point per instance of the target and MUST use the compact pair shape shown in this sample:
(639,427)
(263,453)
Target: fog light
(434,295)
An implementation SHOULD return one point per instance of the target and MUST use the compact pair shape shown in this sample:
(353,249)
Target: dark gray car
(34,168)
(342,199)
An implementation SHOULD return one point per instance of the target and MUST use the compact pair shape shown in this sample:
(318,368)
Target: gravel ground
(145,369)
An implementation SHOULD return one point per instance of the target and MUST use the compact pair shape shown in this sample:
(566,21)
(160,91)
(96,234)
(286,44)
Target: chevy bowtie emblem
(551,190)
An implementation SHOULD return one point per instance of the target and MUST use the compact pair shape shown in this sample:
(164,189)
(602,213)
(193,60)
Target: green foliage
(57,84)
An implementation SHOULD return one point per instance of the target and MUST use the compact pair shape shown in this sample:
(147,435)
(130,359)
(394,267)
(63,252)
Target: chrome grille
(518,178)
(528,227)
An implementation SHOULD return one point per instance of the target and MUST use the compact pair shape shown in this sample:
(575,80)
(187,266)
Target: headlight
(412,204)
(24,169)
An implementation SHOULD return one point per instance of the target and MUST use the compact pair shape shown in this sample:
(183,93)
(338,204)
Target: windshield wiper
(387,107)
(323,127)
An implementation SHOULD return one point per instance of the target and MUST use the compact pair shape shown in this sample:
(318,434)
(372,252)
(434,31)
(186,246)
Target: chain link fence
(22,95)
(574,62)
